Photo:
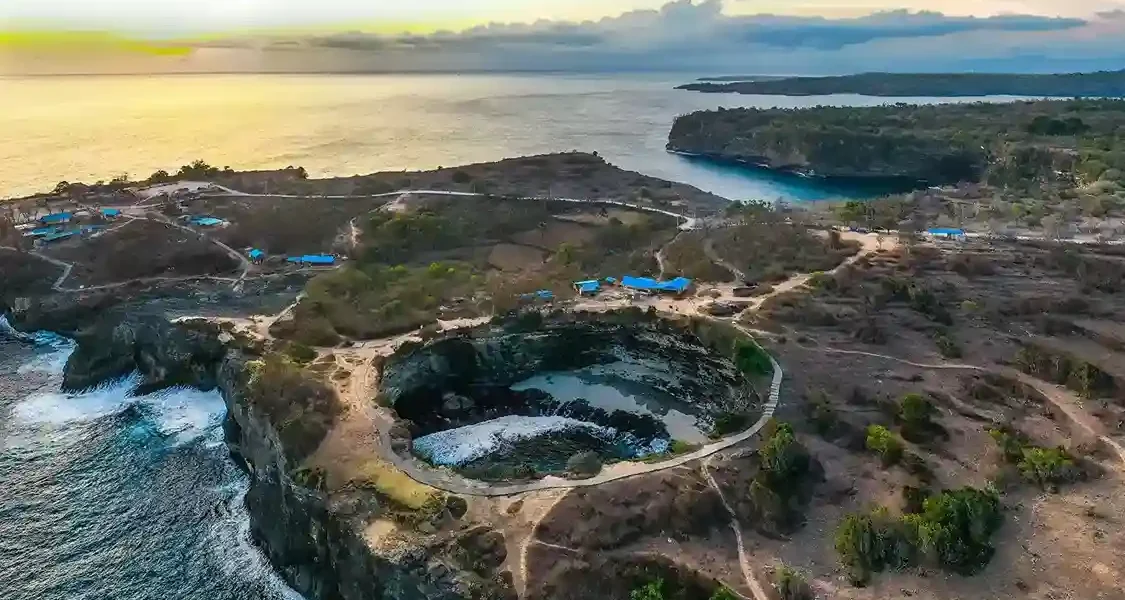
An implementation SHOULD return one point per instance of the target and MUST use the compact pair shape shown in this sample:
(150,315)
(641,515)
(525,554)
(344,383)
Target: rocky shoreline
(312,537)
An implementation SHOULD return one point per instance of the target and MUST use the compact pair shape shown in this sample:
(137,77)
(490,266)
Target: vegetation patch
(953,531)
(300,407)
(1047,468)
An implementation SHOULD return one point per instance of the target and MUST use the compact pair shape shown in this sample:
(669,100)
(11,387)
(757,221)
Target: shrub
(870,543)
(780,487)
(653,590)
(677,447)
(724,593)
(300,353)
(461,177)
(947,346)
(791,584)
(881,441)
(727,423)
(916,414)
(751,359)
(1047,467)
(299,407)
(956,526)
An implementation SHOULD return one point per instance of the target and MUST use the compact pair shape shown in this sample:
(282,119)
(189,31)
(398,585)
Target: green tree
(916,414)
(881,441)
(653,590)
(791,584)
(956,527)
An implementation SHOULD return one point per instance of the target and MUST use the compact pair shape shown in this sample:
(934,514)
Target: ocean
(95,128)
(108,497)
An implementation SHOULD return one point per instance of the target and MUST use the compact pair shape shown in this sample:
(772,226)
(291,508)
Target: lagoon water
(91,128)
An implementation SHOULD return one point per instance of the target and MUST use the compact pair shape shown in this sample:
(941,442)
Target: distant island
(1101,84)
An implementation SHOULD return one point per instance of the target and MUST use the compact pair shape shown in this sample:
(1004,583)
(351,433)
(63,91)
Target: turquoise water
(108,497)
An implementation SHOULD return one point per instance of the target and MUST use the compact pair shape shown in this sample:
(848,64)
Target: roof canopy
(677,285)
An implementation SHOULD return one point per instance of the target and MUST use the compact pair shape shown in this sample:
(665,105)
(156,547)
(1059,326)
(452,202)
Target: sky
(179,16)
(708,37)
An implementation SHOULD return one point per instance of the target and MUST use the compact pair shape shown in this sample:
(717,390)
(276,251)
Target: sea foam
(455,447)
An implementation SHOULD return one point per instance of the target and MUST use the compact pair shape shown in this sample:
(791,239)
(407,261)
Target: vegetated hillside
(1011,144)
(956,396)
(455,257)
(1102,84)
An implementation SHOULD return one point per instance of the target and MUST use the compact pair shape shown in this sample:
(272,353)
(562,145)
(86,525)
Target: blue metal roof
(255,253)
(58,236)
(206,221)
(110,212)
(56,218)
(545,294)
(677,285)
(313,259)
(43,231)
(945,231)
(611,280)
(588,287)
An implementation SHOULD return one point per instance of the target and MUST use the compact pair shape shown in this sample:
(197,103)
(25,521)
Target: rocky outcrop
(113,341)
(315,538)
(809,144)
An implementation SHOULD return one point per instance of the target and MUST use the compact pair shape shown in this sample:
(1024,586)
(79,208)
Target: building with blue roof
(56,219)
(111,213)
(41,231)
(54,237)
(677,286)
(256,255)
(588,288)
(206,221)
(545,295)
(313,259)
(946,233)
(611,280)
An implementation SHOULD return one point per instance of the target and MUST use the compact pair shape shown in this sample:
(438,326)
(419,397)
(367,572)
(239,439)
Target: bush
(916,414)
(870,543)
(299,407)
(724,593)
(727,423)
(653,590)
(751,359)
(954,530)
(791,584)
(781,487)
(881,441)
(584,465)
(956,527)
(300,353)
(461,177)
(1046,467)
(947,346)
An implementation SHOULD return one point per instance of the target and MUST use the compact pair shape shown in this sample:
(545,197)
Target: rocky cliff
(315,537)
(834,143)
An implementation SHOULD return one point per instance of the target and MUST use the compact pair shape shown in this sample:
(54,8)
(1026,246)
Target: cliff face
(315,538)
(822,142)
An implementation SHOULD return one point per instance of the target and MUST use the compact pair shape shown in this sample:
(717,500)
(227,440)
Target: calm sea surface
(90,128)
(108,497)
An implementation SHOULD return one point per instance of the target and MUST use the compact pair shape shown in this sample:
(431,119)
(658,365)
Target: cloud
(699,37)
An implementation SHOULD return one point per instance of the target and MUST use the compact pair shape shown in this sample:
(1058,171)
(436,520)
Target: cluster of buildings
(645,285)
(64,225)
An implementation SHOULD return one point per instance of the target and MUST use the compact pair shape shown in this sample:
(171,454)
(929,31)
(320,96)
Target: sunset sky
(225,15)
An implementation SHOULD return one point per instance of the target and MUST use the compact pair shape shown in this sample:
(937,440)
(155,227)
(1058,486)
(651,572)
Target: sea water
(111,497)
(73,128)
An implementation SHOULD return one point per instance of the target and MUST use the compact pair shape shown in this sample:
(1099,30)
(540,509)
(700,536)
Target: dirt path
(709,250)
(743,560)
(1060,397)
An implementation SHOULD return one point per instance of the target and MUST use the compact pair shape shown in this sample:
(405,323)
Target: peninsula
(1101,84)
